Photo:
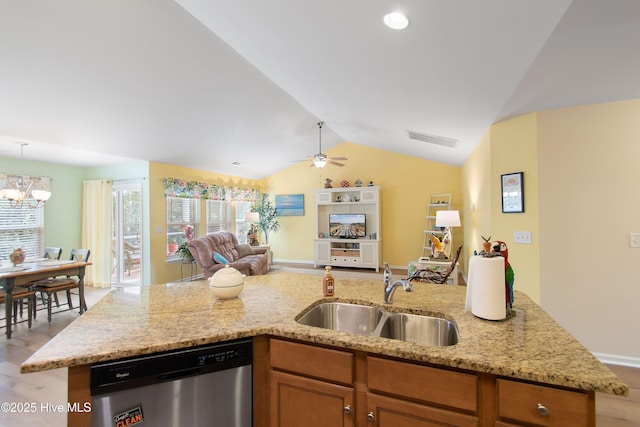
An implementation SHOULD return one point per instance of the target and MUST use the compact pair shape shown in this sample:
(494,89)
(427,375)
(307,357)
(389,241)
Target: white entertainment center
(348,245)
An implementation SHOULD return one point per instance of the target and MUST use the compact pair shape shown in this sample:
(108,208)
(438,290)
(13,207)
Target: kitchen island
(530,346)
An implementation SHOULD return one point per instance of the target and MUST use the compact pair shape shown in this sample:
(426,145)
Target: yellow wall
(406,183)
(514,146)
(509,146)
(161,270)
(477,185)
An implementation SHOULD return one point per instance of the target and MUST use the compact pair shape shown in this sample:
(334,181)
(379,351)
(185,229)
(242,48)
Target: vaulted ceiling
(209,83)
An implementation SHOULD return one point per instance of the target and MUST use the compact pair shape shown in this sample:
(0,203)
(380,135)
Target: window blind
(23,228)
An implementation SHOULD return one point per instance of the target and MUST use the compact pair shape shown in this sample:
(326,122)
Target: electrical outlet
(522,237)
(634,240)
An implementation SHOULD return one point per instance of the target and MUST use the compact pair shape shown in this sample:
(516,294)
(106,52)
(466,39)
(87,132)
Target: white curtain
(97,208)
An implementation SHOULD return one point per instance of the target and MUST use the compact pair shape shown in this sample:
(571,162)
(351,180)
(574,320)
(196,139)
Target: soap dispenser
(327,283)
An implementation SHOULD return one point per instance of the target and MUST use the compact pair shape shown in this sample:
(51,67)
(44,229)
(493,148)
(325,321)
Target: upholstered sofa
(211,252)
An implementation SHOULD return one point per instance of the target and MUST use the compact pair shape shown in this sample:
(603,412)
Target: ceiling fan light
(320,162)
(396,20)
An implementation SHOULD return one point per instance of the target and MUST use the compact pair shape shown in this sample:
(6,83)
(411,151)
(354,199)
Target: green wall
(63,213)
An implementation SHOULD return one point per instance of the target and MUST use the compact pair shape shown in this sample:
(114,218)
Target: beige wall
(406,183)
(589,204)
(580,179)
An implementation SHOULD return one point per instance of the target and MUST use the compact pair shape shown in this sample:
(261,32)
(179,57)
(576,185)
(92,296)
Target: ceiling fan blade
(338,158)
(331,162)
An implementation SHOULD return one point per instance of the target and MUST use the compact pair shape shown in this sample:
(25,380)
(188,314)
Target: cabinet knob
(347,410)
(370,417)
(543,410)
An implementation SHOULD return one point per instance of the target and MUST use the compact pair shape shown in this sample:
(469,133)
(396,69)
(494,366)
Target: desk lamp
(447,219)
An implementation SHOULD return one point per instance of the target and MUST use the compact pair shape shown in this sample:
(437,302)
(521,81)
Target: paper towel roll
(486,288)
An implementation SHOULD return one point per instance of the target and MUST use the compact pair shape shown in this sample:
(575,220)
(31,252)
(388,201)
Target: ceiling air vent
(433,139)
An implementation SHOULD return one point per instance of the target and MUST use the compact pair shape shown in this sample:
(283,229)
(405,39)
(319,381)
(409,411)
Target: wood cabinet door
(385,411)
(298,401)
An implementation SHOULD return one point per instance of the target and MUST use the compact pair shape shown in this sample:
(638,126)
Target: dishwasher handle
(176,375)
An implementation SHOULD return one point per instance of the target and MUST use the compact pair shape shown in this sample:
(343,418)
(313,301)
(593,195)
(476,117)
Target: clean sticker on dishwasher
(129,418)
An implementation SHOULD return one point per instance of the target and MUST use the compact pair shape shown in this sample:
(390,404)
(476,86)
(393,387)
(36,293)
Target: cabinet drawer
(344,260)
(317,362)
(345,252)
(454,389)
(389,411)
(519,401)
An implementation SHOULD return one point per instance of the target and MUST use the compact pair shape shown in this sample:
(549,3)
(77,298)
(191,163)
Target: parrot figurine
(437,244)
(509,277)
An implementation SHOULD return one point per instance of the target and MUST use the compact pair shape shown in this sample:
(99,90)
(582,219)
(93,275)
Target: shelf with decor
(348,227)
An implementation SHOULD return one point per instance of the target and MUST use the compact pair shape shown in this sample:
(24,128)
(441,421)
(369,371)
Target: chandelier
(19,189)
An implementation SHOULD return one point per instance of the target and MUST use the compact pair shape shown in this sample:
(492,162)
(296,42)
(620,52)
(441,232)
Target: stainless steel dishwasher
(201,386)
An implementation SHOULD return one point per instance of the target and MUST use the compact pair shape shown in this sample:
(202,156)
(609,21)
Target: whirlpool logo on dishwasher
(129,418)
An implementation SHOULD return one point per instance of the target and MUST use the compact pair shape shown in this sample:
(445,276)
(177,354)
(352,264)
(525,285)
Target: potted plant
(268,215)
(184,252)
(172,245)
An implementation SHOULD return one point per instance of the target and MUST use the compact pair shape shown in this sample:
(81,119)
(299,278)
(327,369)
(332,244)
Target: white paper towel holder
(486,288)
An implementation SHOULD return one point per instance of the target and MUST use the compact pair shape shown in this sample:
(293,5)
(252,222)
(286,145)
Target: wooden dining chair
(51,286)
(18,305)
(19,295)
(52,253)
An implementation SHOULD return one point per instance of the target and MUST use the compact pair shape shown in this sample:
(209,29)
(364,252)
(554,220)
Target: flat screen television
(347,226)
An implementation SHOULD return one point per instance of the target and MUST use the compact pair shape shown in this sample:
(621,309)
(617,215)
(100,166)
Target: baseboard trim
(292,261)
(308,262)
(614,359)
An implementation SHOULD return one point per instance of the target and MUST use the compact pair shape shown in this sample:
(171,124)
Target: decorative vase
(227,283)
(17,257)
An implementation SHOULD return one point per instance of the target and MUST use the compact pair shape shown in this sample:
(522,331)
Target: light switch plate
(634,240)
(522,237)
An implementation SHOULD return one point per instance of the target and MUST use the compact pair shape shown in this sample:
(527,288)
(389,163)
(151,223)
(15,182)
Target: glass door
(127,234)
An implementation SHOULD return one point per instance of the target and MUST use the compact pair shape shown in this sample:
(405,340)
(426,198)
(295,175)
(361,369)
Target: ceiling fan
(319,160)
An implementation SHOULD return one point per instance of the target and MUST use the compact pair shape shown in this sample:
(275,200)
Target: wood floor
(49,388)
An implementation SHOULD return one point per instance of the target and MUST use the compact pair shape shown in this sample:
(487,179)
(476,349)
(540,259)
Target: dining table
(38,269)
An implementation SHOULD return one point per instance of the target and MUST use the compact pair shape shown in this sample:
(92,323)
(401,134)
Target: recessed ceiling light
(396,20)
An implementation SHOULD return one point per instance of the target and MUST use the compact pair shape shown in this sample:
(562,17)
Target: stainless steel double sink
(376,322)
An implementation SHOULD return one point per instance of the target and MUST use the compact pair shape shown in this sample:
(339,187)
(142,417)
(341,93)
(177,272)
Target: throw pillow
(244,250)
(219,258)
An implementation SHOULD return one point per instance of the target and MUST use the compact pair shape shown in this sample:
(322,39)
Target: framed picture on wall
(512,192)
(290,204)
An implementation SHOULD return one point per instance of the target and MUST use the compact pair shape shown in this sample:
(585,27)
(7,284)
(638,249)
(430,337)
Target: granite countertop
(529,346)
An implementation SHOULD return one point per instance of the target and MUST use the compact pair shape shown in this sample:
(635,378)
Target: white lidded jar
(227,283)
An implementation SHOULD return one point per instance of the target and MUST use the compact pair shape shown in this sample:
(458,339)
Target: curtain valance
(174,187)
(11,181)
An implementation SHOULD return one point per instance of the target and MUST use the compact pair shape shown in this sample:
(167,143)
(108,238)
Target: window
(242,227)
(180,212)
(21,227)
(218,216)
(228,216)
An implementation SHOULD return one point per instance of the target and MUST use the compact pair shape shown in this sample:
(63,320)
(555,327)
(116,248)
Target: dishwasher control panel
(167,366)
